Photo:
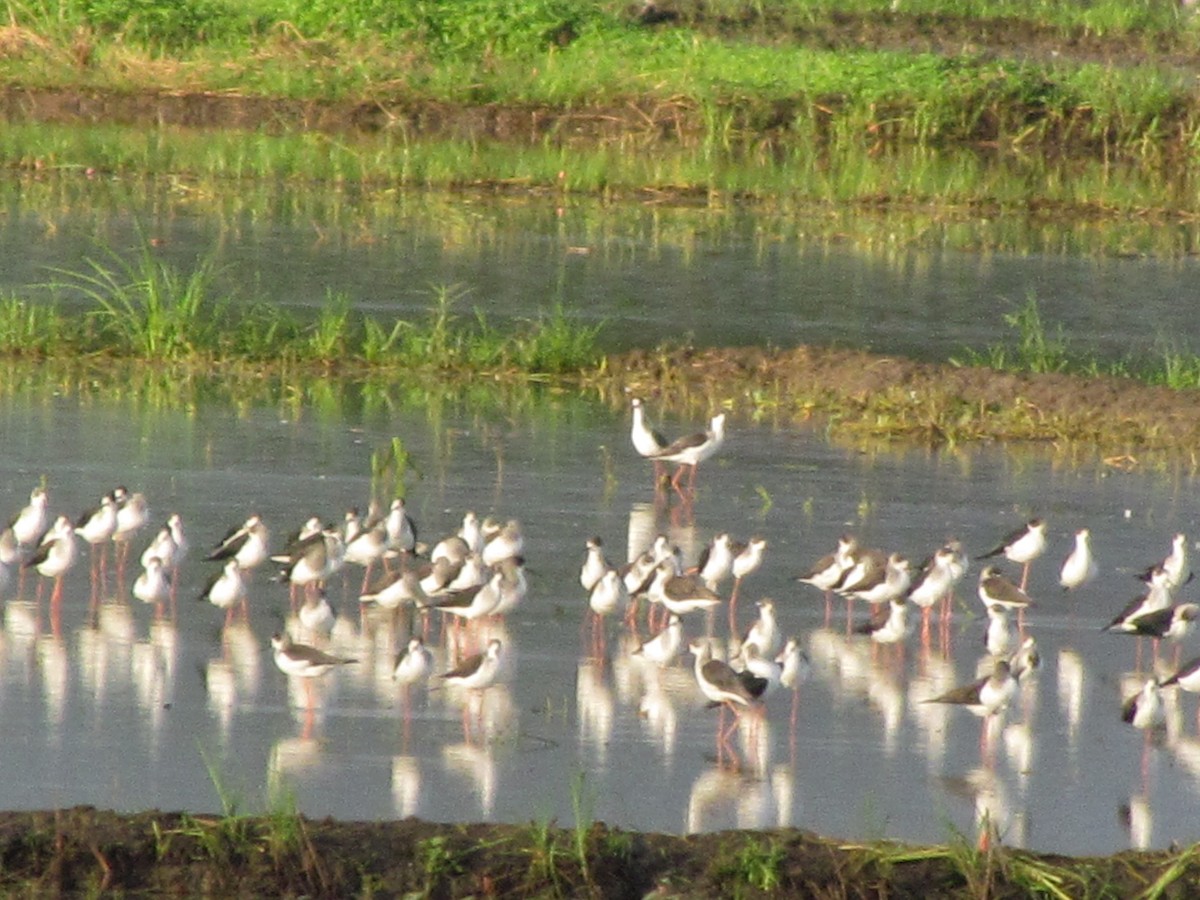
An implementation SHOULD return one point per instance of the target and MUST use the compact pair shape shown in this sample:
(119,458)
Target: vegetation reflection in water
(949,198)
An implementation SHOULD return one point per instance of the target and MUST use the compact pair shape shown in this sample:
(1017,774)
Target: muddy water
(894,284)
(110,703)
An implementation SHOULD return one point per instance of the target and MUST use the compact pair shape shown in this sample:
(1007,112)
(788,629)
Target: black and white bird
(479,671)
(1022,546)
(680,594)
(227,589)
(880,586)
(400,528)
(55,555)
(692,449)
(725,687)
(303,660)
(827,572)
(647,442)
(985,696)
(1156,598)
(248,543)
(1176,566)
(996,590)
(747,559)
(595,564)
(1144,710)
(934,581)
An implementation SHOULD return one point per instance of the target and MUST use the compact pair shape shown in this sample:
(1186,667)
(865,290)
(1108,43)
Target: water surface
(114,707)
(907,282)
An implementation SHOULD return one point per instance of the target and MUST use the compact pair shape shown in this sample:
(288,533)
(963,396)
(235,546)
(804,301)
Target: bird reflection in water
(750,795)
(233,675)
(153,671)
(478,765)
(291,758)
(596,708)
(55,668)
(406,785)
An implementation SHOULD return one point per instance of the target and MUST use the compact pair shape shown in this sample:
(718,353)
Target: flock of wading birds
(478,573)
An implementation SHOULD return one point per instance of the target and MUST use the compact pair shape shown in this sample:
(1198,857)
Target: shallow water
(901,283)
(114,707)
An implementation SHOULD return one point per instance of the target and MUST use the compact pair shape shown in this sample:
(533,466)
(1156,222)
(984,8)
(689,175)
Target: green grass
(1037,348)
(694,80)
(149,310)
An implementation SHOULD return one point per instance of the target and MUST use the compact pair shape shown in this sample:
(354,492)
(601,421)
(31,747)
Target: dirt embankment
(867,395)
(83,851)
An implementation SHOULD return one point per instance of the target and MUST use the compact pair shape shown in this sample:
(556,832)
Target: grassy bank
(153,312)
(85,852)
(731,76)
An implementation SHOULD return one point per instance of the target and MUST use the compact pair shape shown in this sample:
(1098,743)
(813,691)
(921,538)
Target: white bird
(999,635)
(162,546)
(152,585)
(506,543)
(513,585)
(226,589)
(316,614)
(414,664)
(893,629)
(1080,565)
(764,633)
(609,595)
(663,649)
(795,663)
(1026,661)
(746,560)
(594,564)
(132,515)
(96,526)
(400,528)
(30,523)
(365,549)
(716,561)
(304,661)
